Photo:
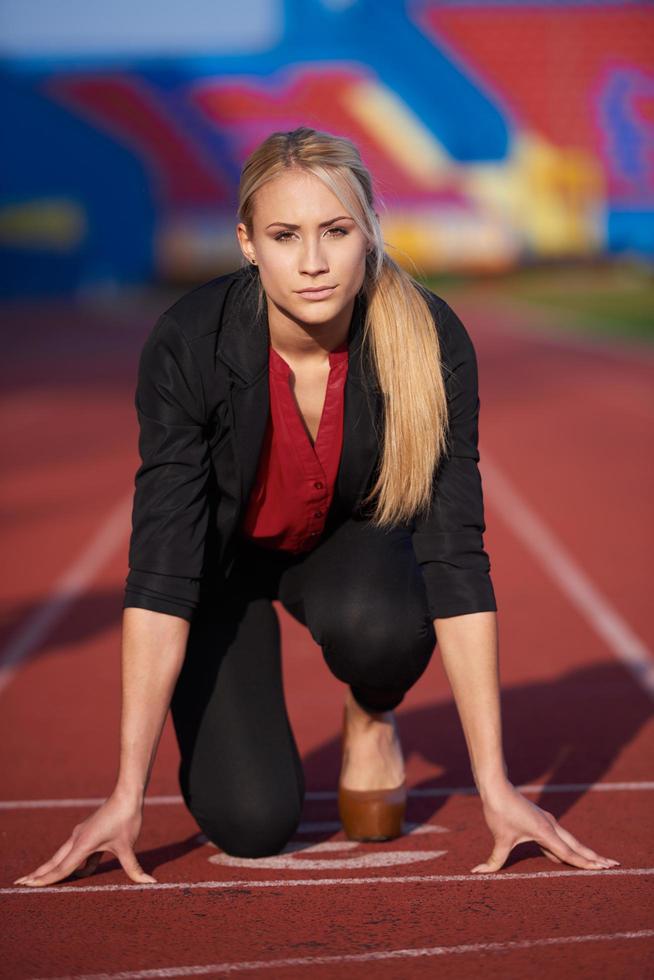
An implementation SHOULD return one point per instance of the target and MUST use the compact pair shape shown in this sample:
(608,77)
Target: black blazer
(202,401)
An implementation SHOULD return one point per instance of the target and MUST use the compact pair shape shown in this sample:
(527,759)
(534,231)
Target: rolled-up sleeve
(448,541)
(170,511)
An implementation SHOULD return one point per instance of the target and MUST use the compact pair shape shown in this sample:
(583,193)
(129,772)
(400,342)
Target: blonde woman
(308,433)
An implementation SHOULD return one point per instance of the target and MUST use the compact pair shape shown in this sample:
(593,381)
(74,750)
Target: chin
(325,309)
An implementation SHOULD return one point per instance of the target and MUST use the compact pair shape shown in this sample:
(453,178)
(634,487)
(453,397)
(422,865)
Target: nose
(313,259)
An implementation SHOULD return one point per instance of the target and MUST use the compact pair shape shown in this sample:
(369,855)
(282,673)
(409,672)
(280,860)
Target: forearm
(469,650)
(153,649)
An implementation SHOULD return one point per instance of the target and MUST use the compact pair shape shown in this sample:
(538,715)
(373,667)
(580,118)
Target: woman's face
(303,238)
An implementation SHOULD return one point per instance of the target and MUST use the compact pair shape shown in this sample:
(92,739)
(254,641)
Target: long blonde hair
(399,333)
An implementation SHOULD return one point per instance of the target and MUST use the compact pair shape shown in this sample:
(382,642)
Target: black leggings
(362,596)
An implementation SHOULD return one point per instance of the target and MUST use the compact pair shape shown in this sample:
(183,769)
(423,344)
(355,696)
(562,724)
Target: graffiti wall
(496,132)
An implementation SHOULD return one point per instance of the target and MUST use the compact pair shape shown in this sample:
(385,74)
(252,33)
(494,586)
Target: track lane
(573,714)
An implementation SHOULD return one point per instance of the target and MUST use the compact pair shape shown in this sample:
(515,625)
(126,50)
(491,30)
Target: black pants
(361,594)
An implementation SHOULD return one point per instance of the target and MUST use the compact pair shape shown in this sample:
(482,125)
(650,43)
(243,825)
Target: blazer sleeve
(170,511)
(448,542)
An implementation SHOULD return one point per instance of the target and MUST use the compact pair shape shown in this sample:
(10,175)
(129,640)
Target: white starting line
(245,883)
(428,791)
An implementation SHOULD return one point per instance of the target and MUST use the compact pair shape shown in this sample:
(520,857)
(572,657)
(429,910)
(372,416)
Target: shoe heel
(371,814)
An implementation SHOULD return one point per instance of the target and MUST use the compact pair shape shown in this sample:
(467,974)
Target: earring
(253,261)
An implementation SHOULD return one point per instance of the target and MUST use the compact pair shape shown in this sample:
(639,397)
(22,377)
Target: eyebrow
(322,224)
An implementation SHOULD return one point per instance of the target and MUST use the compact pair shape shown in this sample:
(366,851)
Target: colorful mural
(496,133)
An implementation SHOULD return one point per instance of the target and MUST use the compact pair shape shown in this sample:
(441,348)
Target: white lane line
(74,581)
(376,956)
(74,889)
(429,791)
(557,561)
(544,788)
(329,794)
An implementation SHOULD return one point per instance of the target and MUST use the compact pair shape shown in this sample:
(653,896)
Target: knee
(386,647)
(249,829)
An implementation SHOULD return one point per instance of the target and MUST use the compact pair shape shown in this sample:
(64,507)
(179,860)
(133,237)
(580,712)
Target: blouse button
(318,485)
(318,513)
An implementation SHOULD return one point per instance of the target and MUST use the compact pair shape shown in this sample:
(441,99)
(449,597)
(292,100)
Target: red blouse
(294,485)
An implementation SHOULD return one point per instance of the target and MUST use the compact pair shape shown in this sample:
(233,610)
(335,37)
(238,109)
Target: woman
(308,433)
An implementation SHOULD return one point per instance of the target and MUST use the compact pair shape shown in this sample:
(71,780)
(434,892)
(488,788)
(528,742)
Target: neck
(302,341)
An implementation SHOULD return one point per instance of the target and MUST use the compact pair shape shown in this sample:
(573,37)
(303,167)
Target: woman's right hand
(113,827)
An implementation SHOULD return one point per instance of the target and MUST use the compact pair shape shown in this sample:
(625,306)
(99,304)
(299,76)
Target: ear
(246,246)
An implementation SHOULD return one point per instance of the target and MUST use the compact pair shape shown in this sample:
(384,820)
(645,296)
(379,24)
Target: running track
(567,467)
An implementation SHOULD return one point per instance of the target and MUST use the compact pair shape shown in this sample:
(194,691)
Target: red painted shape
(136,116)
(311,96)
(549,65)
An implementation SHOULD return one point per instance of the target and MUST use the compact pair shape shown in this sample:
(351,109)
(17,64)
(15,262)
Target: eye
(283,236)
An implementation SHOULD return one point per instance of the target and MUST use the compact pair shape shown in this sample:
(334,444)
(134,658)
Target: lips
(321,293)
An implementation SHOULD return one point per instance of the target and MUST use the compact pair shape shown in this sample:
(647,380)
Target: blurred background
(512,150)
(512,144)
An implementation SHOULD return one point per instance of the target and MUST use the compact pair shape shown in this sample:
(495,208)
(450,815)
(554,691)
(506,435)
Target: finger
(548,854)
(132,867)
(587,852)
(61,870)
(88,866)
(498,857)
(65,848)
(554,843)
(576,844)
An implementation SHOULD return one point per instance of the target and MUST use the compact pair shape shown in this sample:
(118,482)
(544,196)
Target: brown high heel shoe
(371,814)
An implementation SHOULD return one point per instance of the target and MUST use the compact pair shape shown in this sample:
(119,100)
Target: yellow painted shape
(51,223)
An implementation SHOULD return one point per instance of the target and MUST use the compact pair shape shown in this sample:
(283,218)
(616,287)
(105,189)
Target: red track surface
(569,427)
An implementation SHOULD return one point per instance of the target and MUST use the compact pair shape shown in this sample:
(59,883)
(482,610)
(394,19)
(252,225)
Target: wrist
(493,781)
(130,792)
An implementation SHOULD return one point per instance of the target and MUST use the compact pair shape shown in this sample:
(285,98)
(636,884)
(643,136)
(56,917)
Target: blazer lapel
(243,346)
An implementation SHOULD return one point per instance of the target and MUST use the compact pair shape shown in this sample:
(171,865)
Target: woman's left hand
(512,819)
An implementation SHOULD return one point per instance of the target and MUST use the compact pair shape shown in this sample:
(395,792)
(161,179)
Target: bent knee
(384,649)
(248,831)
